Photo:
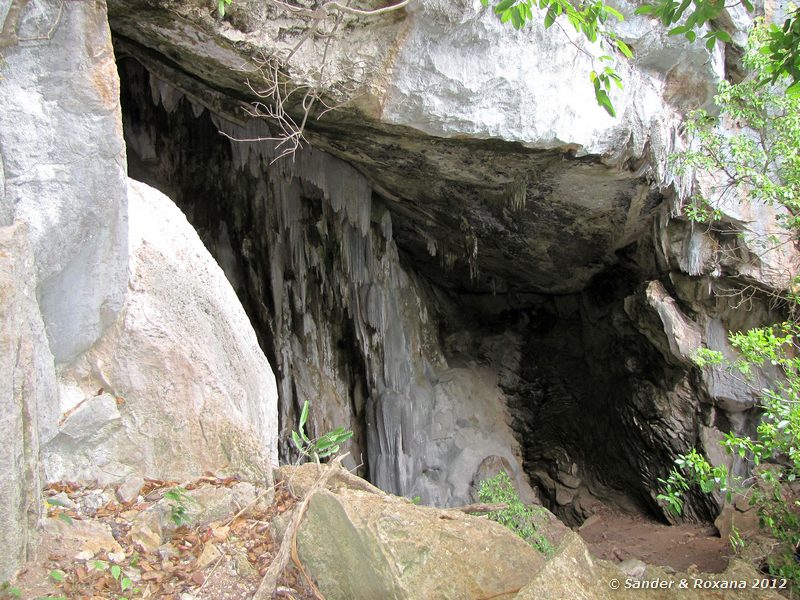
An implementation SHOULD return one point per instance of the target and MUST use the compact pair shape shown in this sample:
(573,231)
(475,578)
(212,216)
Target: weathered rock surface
(92,537)
(65,263)
(357,542)
(187,388)
(350,329)
(362,544)
(64,161)
(198,507)
(27,394)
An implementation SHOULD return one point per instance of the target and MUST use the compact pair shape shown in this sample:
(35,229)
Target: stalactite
(517,194)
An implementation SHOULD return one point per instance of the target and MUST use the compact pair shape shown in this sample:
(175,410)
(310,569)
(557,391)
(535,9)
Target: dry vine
(278,94)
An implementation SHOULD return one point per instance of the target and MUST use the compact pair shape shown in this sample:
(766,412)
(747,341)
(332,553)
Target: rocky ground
(223,554)
(215,537)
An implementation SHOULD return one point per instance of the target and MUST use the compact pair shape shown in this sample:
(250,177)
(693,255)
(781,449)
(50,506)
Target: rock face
(187,388)
(352,330)
(27,389)
(476,278)
(64,163)
(64,267)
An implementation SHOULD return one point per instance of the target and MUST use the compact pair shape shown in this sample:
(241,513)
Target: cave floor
(617,536)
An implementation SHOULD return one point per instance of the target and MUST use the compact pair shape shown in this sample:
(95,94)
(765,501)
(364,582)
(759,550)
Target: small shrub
(178,505)
(322,447)
(518,517)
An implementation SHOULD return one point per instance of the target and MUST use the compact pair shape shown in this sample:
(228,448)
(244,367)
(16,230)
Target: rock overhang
(537,189)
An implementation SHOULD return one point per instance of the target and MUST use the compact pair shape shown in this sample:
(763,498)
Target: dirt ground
(227,559)
(617,536)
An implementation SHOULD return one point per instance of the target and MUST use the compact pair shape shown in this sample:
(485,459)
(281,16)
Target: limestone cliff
(473,264)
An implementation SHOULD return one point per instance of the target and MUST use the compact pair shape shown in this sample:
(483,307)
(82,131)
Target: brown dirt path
(616,536)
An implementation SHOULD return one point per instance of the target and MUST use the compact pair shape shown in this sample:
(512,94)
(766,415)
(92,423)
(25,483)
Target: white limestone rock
(64,167)
(27,390)
(658,316)
(187,388)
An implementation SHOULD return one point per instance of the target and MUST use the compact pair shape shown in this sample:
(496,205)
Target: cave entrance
(598,410)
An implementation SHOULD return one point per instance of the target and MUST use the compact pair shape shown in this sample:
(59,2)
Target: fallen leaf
(220,533)
(152,575)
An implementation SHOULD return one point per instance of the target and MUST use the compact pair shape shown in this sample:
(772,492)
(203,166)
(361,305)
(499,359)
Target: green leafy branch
(774,450)
(322,447)
(700,13)
(761,159)
(782,43)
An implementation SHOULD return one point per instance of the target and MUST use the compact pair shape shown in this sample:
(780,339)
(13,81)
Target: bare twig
(251,503)
(278,93)
(8,34)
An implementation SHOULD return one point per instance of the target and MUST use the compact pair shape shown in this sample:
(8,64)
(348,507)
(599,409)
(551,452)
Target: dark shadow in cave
(591,399)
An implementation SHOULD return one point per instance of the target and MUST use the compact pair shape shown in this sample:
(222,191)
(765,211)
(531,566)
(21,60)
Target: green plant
(9,591)
(322,447)
(179,501)
(781,48)
(221,5)
(589,19)
(780,51)
(123,582)
(762,162)
(774,451)
(518,517)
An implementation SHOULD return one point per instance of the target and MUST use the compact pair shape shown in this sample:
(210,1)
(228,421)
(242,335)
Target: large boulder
(359,543)
(178,384)
(27,396)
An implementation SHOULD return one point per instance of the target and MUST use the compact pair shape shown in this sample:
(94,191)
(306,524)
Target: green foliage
(774,450)
(762,160)
(8,591)
(322,447)
(589,19)
(221,5)
(518,517)
(698,13)
(179,501)
(123,582)
(57,575)
(781,49)
(782,52)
